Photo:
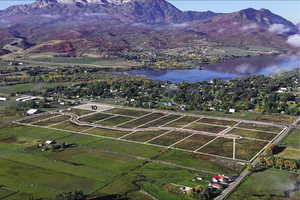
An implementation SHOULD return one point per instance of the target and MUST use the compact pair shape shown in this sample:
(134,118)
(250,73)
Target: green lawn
(267,185)
(94,165)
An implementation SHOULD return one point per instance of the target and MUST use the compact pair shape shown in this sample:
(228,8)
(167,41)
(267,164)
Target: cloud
(294,40)
(249,27)
(278,29)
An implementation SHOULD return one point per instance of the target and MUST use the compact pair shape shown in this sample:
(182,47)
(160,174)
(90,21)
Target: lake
(227,70)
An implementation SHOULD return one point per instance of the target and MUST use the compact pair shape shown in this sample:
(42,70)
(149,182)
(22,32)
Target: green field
(143,136)
(194,142)
(94,165)
(170,138)
(106,132)
(290,152)
(270,184)
(205,127)
(252,134)
(127,112)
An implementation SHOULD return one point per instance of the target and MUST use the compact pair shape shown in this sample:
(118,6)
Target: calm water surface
(227,70)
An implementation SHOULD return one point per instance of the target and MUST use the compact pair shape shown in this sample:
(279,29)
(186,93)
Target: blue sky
(289,9)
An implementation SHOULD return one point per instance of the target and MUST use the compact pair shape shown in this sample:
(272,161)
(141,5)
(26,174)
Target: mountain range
(137,27)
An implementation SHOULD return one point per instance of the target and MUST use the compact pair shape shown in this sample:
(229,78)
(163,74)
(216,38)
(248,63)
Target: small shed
(32,111)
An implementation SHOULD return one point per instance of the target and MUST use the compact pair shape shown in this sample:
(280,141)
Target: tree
(77,195)
(270,161)
(279,163)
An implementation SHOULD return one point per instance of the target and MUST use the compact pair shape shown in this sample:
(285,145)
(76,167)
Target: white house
(232,110)
(32,111)
(3,99)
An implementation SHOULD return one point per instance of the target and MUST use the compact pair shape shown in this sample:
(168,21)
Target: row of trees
(257,93)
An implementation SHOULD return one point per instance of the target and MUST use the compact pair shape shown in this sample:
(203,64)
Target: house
(32,111)
(215,186)
(218,179)
(232,110)
(3,99)
(281,90)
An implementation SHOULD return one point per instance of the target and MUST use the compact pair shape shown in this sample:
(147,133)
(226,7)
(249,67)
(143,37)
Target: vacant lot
(260,127)
(95,117)
(170,138)
(127,112)
(218,121)
(182,121)
(70,126)
(246,149)
(194,142)
(142,120)
(143,136)
(252,134)
(79,112)
(106,132)
(162,121)
(114,121)
(220,147)
(270,184)
(205,127)
(38,117)
(52,121)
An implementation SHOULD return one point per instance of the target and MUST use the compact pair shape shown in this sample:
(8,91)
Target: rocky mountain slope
(132,27)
